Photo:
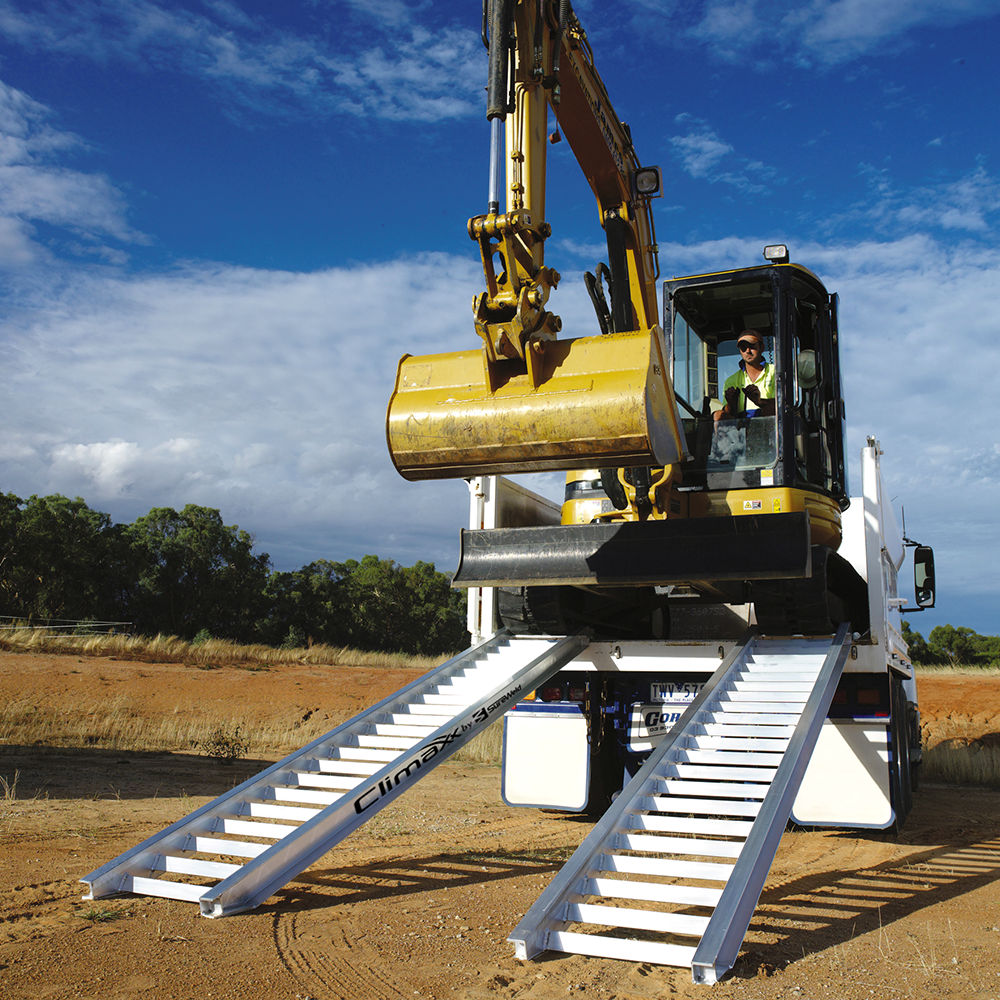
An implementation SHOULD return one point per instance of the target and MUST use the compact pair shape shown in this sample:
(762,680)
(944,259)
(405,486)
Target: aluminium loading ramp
(236,851)
(693,835)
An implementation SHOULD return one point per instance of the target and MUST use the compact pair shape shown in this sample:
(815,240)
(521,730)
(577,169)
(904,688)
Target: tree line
(959,646)
(188,574)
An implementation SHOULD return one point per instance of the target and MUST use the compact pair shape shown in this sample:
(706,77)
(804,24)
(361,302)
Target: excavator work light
(647,182)
(778,254)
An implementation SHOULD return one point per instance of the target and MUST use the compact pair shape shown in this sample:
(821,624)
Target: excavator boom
(528,401)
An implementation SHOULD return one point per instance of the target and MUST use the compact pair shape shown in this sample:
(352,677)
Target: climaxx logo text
(371,795)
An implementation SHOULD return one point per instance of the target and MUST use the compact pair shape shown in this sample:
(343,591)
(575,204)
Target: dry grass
(486,748)
(219,652)
(121,724)
(957,764)
(959,670)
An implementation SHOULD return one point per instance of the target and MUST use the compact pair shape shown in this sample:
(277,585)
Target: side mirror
(923,576)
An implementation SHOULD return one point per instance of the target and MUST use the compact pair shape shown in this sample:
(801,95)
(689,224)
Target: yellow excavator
(672,494)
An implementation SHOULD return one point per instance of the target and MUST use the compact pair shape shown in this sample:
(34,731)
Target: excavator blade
(638,553)
(600,401)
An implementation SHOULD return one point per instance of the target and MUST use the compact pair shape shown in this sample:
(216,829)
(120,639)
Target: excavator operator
(751,389)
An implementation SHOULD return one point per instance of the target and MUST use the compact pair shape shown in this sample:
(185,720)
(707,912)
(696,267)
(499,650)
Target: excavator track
(621,613)
(815,605)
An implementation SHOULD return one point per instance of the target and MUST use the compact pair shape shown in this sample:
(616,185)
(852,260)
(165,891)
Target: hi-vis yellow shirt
(740,380)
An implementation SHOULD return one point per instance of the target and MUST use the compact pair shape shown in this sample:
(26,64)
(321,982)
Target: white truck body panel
(847,783)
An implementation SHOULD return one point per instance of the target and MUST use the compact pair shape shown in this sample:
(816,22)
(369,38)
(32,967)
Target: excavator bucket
(599,401)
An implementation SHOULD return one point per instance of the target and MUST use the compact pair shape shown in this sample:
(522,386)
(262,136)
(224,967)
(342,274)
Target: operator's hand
(752,392)
(732,397)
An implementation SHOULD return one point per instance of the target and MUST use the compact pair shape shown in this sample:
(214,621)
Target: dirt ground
(419,902)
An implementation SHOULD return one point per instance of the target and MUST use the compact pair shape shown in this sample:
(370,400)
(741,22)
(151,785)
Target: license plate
(675,692)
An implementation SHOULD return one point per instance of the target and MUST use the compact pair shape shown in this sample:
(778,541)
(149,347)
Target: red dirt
(419,902)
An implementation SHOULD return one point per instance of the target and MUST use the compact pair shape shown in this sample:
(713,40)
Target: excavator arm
(529,401)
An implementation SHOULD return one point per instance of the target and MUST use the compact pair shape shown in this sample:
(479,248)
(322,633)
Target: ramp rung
(773,691)
(665,867)
(360,754)
(305,795)
(718,772)
(622,948)
(735,744)
(652,892)
(647,920)
(754,701)
(179,865)
(760,760)
(399,732)
(782,677)
(428,722)
(387,743)
(166,888)
(362,768)
(434,711)
(685,846)
(235,848)
(339,782)
(733,714)
(687,824)
(677,802)
(269,811)
(248,828)
(719,789)
(734,727)
(433,700)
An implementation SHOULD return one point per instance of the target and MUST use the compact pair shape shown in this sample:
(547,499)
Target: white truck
(572,744)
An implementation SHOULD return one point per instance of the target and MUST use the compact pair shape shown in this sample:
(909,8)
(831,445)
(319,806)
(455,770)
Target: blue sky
(221,223)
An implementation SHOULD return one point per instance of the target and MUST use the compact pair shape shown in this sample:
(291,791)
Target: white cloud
(385,65)
(823,31)
(968,205)
(836,30)
(35,189)
(163,390)
(260,393)
(706,156)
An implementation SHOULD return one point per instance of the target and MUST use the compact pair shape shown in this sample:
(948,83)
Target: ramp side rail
(728,772)
(335,783)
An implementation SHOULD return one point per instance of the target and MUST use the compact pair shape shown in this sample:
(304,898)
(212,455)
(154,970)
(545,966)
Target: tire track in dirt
(339,967)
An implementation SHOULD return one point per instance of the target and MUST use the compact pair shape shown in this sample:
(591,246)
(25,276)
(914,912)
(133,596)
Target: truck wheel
(901,774)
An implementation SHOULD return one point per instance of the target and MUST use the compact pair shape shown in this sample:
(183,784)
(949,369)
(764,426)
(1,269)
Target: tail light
(552,692)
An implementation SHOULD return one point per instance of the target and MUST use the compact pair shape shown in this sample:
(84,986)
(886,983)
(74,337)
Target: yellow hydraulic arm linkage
(527,401)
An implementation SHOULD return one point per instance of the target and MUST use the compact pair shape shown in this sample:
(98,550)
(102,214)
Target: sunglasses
(746,345)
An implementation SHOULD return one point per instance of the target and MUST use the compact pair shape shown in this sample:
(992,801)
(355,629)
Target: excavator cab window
(738,451)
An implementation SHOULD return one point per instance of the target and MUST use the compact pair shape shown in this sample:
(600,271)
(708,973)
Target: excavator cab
(788,452)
